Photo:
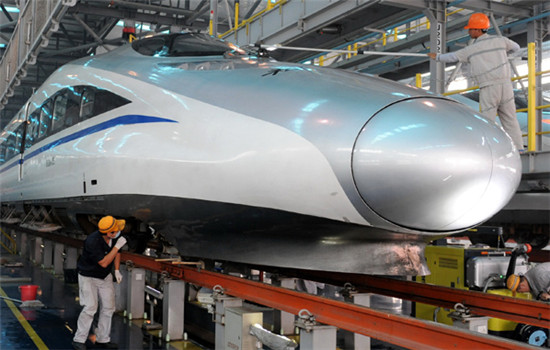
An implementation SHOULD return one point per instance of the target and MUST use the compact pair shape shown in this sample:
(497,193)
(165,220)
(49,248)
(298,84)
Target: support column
(361,341)
(221,303)
(214,18)
(472,323)
(173,310)
(58,258)
(318,337)
(71,258)
(36,256)
(287,319)
(136,293)
(47,255)
(438,43)
(69,271)
(23,244)
(237,328)
(535,33)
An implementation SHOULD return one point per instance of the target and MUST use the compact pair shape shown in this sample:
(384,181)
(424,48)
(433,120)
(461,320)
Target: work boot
(79,346)
(108,345)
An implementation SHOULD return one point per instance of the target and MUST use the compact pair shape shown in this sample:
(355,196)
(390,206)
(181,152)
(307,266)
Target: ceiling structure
(38,36)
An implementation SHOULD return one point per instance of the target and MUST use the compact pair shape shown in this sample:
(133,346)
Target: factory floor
(50,322)
(52,325)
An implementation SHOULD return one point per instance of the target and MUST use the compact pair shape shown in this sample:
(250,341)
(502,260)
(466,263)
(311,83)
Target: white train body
(215,149)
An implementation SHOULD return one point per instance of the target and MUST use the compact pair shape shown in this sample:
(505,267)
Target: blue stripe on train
(122,120)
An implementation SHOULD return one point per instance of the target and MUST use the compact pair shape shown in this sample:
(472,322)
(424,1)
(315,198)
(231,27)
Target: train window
(10,145)
(13,144)
(45,120)
(87,105)
(19,138)
(32,129)
(59,108)
(72,113)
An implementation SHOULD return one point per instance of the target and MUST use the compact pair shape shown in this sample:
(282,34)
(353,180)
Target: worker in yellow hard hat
(96,288)
(536,281)
(487,57)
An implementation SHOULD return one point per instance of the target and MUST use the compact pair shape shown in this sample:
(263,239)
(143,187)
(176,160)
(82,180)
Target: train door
(12,145)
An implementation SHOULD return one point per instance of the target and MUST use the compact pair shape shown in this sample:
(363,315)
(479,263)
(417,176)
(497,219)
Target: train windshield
(188,44)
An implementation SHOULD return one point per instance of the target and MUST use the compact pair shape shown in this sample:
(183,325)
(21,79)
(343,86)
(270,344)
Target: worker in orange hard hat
(536,281)
(96,289)
(490,69)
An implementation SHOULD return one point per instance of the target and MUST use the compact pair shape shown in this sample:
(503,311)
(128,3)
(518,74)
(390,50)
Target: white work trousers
(94,292)
(499,99)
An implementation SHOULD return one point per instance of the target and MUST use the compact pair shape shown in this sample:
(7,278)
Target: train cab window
(108,101)
(45,120)
(66,110)
(149,46)
(197,45)
(186,44)
(97,101)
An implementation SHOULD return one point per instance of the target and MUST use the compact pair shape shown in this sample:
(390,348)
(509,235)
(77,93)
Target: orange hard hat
(110,224)
(512,282)
(478,21)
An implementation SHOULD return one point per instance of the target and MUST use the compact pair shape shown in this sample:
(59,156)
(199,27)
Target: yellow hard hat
(478,21)
(512,282)
(110,224)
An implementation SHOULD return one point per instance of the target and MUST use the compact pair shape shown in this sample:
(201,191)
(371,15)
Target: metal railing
(531,97)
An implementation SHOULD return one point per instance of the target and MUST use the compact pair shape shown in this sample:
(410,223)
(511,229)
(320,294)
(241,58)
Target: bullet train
(229,155)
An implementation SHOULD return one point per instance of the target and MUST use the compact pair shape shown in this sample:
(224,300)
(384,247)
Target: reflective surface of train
(234,156)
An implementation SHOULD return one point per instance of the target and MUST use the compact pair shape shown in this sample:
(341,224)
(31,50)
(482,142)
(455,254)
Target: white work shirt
(488,59)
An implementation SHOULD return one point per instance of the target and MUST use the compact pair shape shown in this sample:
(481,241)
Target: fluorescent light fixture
(11,9)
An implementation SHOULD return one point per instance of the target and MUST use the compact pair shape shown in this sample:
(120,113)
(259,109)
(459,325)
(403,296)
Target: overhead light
(331,29)
(12,9)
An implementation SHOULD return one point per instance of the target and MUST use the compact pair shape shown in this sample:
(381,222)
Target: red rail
(531,312)
(400,330)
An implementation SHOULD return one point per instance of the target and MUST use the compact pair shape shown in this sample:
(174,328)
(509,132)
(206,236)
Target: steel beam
(498,8)
(438,44)
(82,8)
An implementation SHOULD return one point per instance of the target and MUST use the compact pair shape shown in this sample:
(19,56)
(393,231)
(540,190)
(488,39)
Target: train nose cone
(434,156)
